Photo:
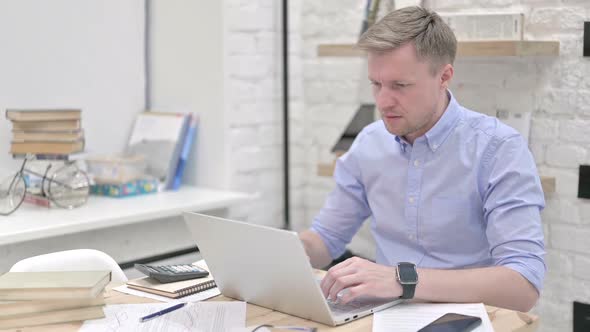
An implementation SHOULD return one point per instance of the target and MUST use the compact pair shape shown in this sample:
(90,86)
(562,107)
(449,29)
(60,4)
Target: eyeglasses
(68,187)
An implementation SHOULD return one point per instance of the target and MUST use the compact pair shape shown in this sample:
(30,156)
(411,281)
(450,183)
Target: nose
(385,99)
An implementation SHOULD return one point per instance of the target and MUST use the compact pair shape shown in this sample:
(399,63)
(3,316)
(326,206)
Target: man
(453,193)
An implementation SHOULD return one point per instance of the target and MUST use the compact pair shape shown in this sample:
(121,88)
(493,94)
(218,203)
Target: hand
(360,278)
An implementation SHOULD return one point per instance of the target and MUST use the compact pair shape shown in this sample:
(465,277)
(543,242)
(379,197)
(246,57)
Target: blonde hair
(433,38)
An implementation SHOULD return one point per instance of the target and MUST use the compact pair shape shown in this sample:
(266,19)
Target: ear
(446,76)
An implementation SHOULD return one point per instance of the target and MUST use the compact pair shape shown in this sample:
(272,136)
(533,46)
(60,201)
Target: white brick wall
(253,90)
(555,89)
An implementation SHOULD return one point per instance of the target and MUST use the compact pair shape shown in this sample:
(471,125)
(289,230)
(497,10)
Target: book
(38,199)
(159,137)
(52,317)
(47,136)
(65,125)
(43,114)
(174,289)
(186,149)
(131,188)
(15,308)
(46,147)
(52,285)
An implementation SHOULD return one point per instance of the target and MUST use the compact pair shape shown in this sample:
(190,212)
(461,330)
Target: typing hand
(360,278)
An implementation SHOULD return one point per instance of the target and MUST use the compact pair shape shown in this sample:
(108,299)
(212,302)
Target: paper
(195,317)
(201,296)
(410,317)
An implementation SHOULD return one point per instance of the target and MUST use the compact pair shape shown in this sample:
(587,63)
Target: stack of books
(54,132)
(39,298)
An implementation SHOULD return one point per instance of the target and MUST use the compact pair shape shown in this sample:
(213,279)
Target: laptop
(269,267)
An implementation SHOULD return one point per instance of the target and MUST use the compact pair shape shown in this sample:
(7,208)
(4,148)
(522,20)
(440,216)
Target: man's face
(407,94)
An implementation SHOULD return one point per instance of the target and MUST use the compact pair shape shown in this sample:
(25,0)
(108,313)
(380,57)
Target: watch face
(407,273)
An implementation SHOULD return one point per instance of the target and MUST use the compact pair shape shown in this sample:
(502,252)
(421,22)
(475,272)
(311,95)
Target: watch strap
(408,291)
(408,287)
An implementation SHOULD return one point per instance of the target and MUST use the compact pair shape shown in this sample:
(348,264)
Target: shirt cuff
(534,272)
(331,243)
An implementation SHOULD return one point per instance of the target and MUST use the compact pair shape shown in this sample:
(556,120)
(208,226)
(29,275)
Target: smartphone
(452,322)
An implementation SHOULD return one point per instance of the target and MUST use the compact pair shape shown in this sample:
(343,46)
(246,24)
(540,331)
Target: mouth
(391,116)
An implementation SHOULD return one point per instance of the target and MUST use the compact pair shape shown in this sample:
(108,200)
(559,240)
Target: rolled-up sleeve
(346,207)
(513,200)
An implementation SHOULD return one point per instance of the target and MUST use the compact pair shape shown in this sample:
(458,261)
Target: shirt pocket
(453,227)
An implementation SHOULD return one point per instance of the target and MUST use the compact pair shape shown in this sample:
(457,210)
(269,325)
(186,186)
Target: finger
(342,284)
(336,271)
(353,293)
(344,278)
(332,276)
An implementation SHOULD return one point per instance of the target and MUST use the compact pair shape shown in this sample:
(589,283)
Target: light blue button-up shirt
(466,194)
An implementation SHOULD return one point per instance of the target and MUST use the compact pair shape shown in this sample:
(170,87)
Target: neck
(441,106)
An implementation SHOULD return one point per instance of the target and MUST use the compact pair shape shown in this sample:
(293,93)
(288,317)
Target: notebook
(174,289)
(13,308)
(52,317)
(52,285)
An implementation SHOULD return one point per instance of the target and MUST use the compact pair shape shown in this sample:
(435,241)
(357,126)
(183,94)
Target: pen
(161,312)
(293,328)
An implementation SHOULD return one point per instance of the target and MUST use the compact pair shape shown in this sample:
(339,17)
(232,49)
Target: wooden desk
(503,320)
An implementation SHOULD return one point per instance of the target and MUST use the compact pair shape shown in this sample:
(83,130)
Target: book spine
(38,200)
(197,288)
(176,154)
(188,143)
(133,188)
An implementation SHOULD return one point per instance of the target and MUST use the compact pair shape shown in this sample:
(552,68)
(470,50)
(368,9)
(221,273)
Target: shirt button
(434,146)
(416,163)
(411,199)
(411,237)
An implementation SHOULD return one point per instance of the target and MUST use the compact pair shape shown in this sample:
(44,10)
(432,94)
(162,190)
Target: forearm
(498,286)
(315,248)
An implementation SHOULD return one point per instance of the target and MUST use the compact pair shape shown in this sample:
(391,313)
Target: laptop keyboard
(352,306)
(339,308)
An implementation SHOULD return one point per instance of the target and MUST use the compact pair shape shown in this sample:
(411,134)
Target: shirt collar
(441,129)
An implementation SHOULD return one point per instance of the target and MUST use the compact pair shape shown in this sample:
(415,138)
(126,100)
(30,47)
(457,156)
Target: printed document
(199,316)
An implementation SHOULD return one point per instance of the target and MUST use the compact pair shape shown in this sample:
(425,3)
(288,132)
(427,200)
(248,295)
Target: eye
(375,84)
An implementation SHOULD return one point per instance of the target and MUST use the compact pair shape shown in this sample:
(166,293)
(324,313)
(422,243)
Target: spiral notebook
(173,290)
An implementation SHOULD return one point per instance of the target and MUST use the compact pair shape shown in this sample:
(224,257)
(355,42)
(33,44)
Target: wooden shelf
(547,182)
(465,48)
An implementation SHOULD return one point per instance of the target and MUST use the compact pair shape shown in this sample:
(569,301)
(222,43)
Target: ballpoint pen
(161,312)
(293,328)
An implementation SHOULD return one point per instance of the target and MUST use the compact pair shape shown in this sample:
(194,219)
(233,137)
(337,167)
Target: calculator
(172,273)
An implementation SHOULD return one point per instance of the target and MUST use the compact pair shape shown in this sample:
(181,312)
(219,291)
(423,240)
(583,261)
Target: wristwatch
(407,276)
